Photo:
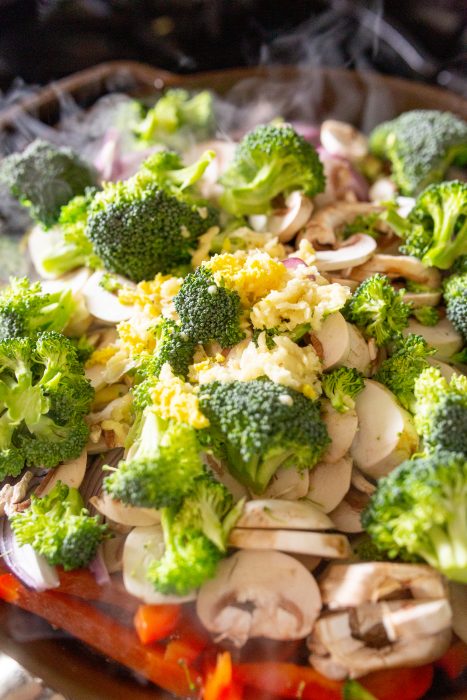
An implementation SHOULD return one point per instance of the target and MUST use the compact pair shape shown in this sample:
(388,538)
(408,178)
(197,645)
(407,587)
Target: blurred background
(42,40)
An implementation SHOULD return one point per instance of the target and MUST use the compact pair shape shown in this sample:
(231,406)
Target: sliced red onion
(293,263)
(111,160)
(310,132)
(31,568)
(357,183)
(98,568)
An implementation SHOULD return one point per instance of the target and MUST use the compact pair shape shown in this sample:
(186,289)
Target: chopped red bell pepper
(82,584)
(219,683)
(9,588)
(454,660)
(156,622)
(288,680)
(400,683)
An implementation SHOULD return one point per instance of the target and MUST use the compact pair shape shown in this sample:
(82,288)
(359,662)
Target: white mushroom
(287,221)
(346,517)
(329,482)
(395,266)
(40,245)
(288,483)
(354,251)
(443,337)
(361,483)
(326,222)
(70,473)
(270,513)
(105,305)
(112,551)
(121,513)
(316,543)
(386,435)
(418,299)
(359,354)
(458,598)
(334,338)
(142,546)
(343,140)
(382,190)
(342,428)
(222,474)
(12,495)
(248,598)
(405,205)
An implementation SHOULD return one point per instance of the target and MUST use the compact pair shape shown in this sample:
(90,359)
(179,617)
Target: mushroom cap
(259,594)
(103,304)
(343,140)
(356,251)
(287,221)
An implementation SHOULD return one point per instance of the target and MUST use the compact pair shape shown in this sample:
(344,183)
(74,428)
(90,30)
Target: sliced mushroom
(418,299)
(348,585)
(458,598)
(346,517)
(12,495)
(288,483)
(40,244)
(343,139)
(415,618)
(308,560)
(103,304)
(142,546)
(123,514)
(287,221)
(395,266)
(270,513)
(342,428)
(382,190)
(248,598)
(355,251)
(361,483)
(222,474)
(443,337)
(112,551)
(329,482)
(386,435)
(315,543)
(359,354)
(70,473)
(446,370)
(326,222)
(334,337)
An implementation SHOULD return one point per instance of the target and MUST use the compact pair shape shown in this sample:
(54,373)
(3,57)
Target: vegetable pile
(267,350)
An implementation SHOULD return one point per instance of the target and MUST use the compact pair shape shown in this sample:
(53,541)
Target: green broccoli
(177,117)
(297,334)
(378,309)
(59,527)
(209,311)
(44,178)
(455,296)
(69,245)
(259,426)
(166,170)
(174,346)
(364,223)
(419,511)
(44,396)
(342,386)
(420,145)
(271,160)
(441,411)
(195,537)
(427,315)
(25,310)
(400,371)
(138,228)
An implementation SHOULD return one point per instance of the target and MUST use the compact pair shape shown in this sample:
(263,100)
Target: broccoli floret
(427,315)
(59,527)
(209,311)
(259,426)
(378,309)
(364,223)
(269,161)
(400,371)
(44,396)
(364,549)
(44,178)
(297,334)
(455,296)
(174,346)
(421,145)
(342,386)
(420,511)
(163,462)
(166,169)
(70,247)
(25,310)
(138,228)
(195,537)
(441,411)
(177,117)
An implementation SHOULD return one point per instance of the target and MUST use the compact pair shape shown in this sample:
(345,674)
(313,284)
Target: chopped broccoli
(259,426)
(43,398)
(195,537)
(44,178)
(364,223)
(455,296)
(420,145)
(138,228)
(297,334)
(378,309)
(441,410)
(364,549)
(400,371)
(166,170)
(419,511)
(59,527)
(25,310)
(174,346)
(177,117)
(163,462)
(427,315)
(342,386)
(209,311)
(269,161)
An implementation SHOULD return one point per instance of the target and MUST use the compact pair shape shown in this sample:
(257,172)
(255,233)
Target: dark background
(41,40)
